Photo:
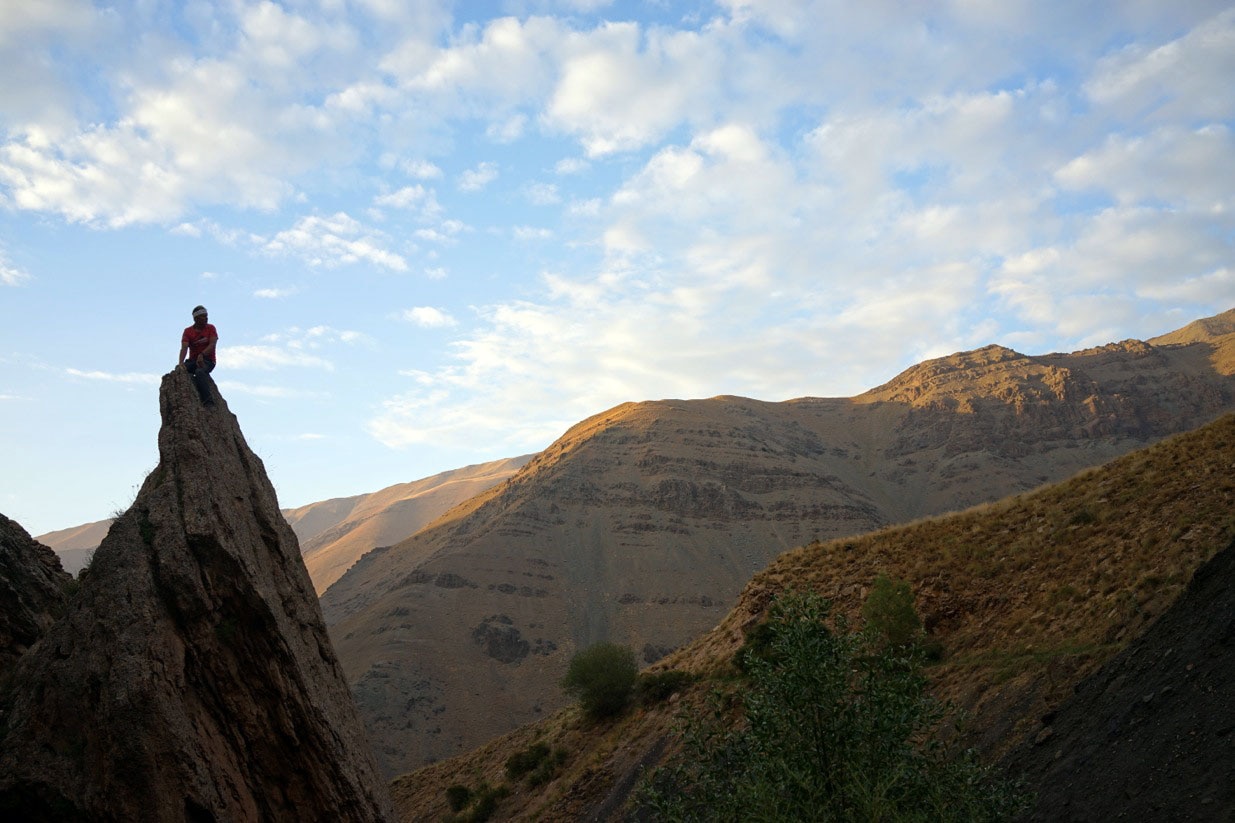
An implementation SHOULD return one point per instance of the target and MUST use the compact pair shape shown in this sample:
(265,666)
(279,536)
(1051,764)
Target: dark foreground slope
(32,591)
(192,677)
(1151,736)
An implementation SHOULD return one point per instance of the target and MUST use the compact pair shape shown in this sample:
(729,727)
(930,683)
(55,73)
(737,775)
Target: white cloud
(268,392)
(531,233)
(446,232)
(508,130)
(542,194)
(479,177)
(335,241)
(113,377)
(1189,76)
(316,337)
(571,165)
(1189,168)
(621,88)
(274,294)
(420,169)
(411,197)
(270,358)
(10,275)
(429,317)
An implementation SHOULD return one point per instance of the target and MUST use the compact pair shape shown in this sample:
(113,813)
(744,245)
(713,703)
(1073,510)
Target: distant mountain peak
(1205,330)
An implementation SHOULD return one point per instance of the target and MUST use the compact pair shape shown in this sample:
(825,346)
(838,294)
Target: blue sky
(433,234)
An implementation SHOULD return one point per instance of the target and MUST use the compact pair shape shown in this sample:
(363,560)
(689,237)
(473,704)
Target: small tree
(826,725)
(602,678)
(889,612)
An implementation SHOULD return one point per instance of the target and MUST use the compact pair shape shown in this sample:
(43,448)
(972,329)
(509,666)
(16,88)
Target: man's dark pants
(203,390)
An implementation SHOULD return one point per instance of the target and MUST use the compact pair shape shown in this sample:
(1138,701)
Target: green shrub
(601,678)
(458,796)
(484,801)
(520,763)
(547,768)
(827,724)
(890,614)
(655,687)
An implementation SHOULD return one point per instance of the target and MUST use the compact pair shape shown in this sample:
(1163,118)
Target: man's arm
(184,349)
(209,350)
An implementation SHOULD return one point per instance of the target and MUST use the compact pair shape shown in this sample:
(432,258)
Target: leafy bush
(520,763)
(483,800)
(655,687)
(889,612)
(458,796)
(601,678)
(827,725)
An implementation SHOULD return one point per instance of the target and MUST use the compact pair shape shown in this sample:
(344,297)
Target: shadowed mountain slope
(1027,598)
(641,524)
(192,677)
(1152,734)
(33,591)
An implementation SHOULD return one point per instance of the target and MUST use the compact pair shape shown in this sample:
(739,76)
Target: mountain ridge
(642,523)
(1027,598)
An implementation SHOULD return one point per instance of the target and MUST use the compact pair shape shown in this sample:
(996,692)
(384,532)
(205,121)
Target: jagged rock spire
(192,677)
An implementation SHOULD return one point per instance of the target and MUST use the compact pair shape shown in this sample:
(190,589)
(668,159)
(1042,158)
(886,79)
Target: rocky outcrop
(1151,736)
(192,677)
(33,591)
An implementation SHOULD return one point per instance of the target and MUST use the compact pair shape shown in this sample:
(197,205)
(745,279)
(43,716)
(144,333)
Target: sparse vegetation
(475,806)
(536,763)
(827,725)
(655,687)
(602,678)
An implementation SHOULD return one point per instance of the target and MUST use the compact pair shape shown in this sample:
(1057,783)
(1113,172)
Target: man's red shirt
(197,338)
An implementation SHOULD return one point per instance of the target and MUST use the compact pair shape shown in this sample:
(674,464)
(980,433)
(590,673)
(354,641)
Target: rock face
(192,677)
(641,525)
(32,591)
(1151,736)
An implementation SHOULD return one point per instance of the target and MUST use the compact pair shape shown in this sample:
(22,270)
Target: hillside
(642,524)
(335,533)
(75,545)
(1027,596)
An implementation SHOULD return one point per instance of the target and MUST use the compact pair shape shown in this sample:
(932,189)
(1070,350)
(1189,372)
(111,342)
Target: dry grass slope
(1027,597)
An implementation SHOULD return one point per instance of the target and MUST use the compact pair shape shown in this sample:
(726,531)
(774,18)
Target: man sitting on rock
(199,341)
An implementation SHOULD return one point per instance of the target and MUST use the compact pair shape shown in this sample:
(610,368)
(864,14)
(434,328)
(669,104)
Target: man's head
(199,315)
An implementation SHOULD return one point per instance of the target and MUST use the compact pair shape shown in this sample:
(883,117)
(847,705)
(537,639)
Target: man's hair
(199,310)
